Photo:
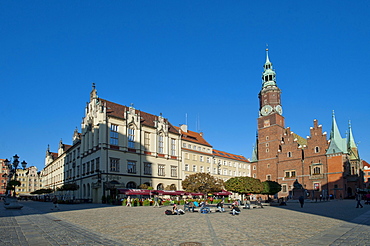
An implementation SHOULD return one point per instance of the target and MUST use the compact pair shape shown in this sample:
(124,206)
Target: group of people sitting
(235,210)
(203,206)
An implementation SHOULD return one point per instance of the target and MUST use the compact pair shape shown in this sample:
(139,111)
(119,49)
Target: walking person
(128,201)
(358,199)
(156,204)
(301,201)
(55,203)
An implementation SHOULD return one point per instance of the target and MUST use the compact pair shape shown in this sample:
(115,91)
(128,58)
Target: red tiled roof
(364,163)
(117,110)
(230,156)
(194,137)
(54,155)
(67,147)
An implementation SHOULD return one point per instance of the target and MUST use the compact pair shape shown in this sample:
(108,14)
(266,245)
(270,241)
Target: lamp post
(12,202)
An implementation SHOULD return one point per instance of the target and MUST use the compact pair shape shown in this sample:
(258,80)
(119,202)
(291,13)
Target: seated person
(235,209)
(191,207)
(187,205)
(220,206)
(176,210)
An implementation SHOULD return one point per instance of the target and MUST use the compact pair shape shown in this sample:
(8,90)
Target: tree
(202,183)
(270,187)
(12,184)
(42,191)
(143,186)
(170,187)
(244,185)
(72,186)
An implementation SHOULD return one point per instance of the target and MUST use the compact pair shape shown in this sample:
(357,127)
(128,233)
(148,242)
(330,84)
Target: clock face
(279,109)
(267,109)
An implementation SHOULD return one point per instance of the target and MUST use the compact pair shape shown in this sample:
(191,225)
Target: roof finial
(93,86)
(267,54)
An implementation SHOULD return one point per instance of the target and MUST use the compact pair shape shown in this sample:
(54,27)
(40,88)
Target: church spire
(337,143)
(352,147)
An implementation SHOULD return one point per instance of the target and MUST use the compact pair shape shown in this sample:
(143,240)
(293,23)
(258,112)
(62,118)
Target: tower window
(317,149)
(289,154)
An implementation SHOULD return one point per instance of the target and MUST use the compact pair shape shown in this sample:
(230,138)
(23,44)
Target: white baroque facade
(122,147)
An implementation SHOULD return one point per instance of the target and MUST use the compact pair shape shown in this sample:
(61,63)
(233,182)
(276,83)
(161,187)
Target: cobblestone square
(322,223)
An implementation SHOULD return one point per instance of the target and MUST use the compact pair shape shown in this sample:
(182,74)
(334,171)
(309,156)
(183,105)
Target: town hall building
(323,167)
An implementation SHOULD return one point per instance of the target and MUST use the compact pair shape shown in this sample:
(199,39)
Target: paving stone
(322,223)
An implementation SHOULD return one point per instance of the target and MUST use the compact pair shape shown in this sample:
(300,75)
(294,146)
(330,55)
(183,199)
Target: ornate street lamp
(11,202)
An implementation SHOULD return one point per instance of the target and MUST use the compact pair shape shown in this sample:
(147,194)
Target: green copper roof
(337,143)
(254,153)
(352,147)
(268,75)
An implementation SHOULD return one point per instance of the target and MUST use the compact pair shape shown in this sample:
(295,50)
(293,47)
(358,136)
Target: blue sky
(200,58)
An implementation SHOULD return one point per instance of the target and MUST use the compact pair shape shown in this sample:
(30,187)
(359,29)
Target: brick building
(324,167)
(3,177)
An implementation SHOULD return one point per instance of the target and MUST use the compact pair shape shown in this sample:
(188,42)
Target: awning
(194,194)
(171,192)
(222,193)
(136,192)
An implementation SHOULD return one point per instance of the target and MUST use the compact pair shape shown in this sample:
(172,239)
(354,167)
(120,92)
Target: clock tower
(270,125)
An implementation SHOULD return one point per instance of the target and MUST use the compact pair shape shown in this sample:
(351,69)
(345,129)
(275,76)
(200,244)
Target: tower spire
(337,143)
(352,147)
(268,75)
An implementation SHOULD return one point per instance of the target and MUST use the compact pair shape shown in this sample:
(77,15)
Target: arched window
(131,185)
(317,149)
(160,186)
(289,154)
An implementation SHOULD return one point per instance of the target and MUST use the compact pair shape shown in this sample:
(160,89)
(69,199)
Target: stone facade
(199,156)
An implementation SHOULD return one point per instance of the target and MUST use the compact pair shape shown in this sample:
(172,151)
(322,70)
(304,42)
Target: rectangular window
(114,134)
(194,168)
(186,167)
(292,174)
(92,166)
(161,170)
(316,186)
(208,169)
(201,169)
(88,167)
(147,140)
(83,169)
(97,162)
(131,166)
(131,138)
(147,168)
(214,170)
(208,160)
(173,171)
(114,165)
(287,174)
(201,158)
(173,147)
(160,144)
(284,188)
